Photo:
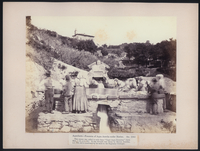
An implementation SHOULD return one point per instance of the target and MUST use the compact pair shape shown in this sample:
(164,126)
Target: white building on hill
(82,36)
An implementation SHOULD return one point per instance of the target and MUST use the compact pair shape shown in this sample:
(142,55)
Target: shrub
(87,45)
(80,59)
(104,52)
(121,74)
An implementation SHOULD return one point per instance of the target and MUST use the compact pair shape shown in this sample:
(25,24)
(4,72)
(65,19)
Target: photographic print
(100,74)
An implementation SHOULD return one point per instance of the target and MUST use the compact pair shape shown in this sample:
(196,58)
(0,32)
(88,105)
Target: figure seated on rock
(119,84)
(142,85)
(130,84)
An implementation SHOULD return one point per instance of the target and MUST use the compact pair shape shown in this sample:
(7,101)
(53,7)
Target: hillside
(35,72)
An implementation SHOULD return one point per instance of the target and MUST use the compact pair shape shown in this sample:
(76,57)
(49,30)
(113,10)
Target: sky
(111,30)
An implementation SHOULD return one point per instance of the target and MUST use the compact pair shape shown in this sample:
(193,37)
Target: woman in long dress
(80,103)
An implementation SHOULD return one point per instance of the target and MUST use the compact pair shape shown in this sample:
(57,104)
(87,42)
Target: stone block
(74,129)
(114,103)
(65,129)
(76,124)
(53,130)
(86,123)
(55,125)
(42,129)
(87,128)
(65,123)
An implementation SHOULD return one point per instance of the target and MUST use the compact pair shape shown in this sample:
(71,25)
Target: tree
(104,46)
(87,45)
(139,51)
(166,52)
(130,50)
(104,52)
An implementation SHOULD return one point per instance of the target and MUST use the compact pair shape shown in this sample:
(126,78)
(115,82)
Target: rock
(127,126)
(126,101)
(53,130)
(42,129)
(74,129)
(76,124)
(119,123)
(114,103)
(89,120)
(87,129)
(41,114)
(65,129)
(65,123)
(55,125)
(86,124)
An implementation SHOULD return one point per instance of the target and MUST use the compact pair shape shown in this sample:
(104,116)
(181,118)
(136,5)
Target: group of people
(73,93)
(154,88)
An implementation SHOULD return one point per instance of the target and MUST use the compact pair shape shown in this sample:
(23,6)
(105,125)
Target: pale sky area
(112,30)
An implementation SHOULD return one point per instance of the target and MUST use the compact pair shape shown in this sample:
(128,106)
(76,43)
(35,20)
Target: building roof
(82,35)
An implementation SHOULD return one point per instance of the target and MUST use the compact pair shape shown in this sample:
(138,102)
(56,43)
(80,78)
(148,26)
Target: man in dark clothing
(48,92)
(68,92)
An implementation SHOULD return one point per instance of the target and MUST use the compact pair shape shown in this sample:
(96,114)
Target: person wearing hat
(68,92)
(155,104)
(48,92)
(80,101)
(162,90)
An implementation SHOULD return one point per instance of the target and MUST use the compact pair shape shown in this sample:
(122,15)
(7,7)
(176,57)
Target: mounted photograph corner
(100,74)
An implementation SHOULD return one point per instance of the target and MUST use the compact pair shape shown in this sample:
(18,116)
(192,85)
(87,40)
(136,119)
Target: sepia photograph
(100,74)
(95,75)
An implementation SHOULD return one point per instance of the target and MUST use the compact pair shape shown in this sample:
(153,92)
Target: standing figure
(155,105)
(68,92)
(161,81)
(100,84)
(80,102)
(48,92)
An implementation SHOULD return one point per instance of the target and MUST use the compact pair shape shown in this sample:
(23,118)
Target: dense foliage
(164,51)
(48,44)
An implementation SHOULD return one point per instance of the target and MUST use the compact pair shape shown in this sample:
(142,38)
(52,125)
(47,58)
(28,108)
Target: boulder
(65,129)
(55,125)
(87,129)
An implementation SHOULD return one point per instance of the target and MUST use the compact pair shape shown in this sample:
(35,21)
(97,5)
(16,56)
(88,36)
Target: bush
(79,59)
(121,74)
(110,62)
(104,52)
(87,45)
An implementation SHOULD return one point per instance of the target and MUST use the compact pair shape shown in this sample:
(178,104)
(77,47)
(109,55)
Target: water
(102,112)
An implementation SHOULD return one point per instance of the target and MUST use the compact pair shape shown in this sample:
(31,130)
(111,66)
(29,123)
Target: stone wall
(58,122)
(124,116)
(143,123)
